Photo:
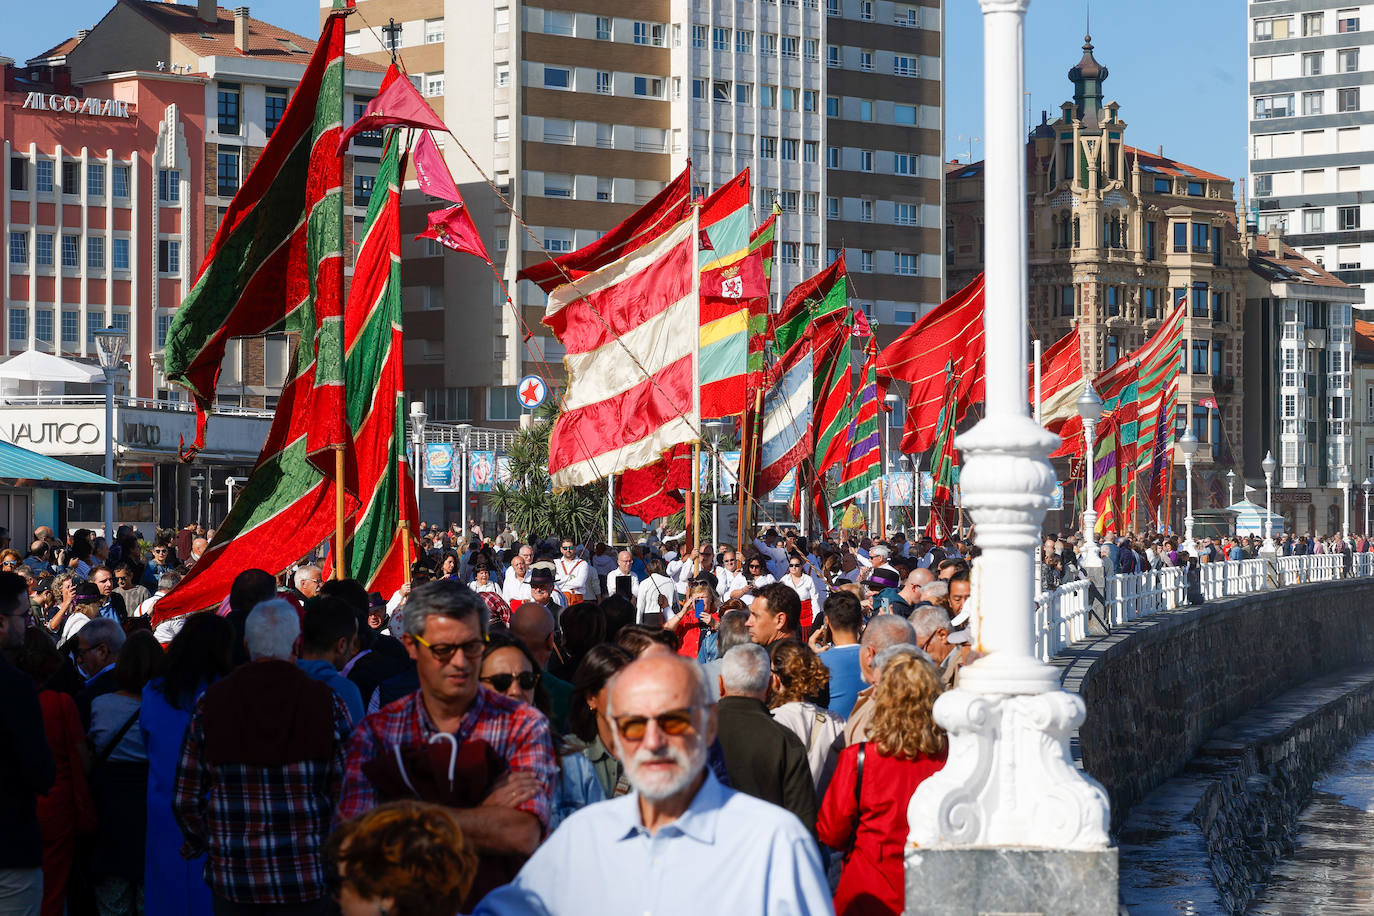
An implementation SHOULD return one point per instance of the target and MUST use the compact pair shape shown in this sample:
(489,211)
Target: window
(227,108)
(789,152)
(1311,24)
(71,183)
(832,106)
(274,107)
(865,110)
(768,147)
(71,327)
(1347,218)
(169,256)
(434,31)
(1150,304)
(1348,257)
(169,186)
(19,248)
(558,22)
(1180,237)
(1264,185)
(768,96)
(904,164)
(603,28)
(866,10)
(502,126)
(811,49)
(744,93)
(1348,60)
(362,189)
(503,76)
(227,171)
(906,214)
(810,99)
(812,254)
(865,160)
(698,89)
(1199,300)
(905,265)
(1347,21)
(603,189)
(1200,355)
(95,252)
(1312,102)
(832,7)
(648,87)
(744,41)
(646,33)
(698,36)
(832,56)
(865,211)
(18,173)
(503,404)
(95,323)
(866,61)
(1271,29)
(720,39)
(502,19)
(434,84)
(119,254)
(603,82)
(1313,221)
(95,179)
(557,78)
(1200,235)
(789,47)
(905,66)
(904,114)
(789,252)
(866,261)
(1348,99)
(791,99)
(1274,106)
(810,150)
(1312,64)
(810,201)
(19,324)
(1195,189)
(832,157)
(71,252)
(1113,301)
(43,176)
(42,325)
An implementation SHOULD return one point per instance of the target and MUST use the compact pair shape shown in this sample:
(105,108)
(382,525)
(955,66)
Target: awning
(34,366)
(20,467)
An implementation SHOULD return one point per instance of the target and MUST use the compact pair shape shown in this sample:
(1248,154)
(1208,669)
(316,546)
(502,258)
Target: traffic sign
(532,391)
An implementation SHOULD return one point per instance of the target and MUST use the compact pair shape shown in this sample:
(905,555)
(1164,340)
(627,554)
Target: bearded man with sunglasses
(633,853)
(445,633)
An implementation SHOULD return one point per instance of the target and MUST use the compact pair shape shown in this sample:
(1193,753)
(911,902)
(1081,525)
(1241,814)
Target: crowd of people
(525,726)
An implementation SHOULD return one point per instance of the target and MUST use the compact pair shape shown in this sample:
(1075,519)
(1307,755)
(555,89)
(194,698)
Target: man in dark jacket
(26,766)
(764,758)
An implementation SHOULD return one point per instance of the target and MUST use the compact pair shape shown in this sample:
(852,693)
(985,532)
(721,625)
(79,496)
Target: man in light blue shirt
(681,843)
(329,638)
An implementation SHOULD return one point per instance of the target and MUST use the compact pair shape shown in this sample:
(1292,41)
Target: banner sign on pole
(440,466)
(898,488)
(503,469)
(481,471)
(784,491)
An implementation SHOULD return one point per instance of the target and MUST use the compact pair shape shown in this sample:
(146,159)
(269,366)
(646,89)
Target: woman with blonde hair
(404,858)
(865,806)
(798,698)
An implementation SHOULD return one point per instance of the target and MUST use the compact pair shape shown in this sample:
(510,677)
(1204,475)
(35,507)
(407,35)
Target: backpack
(708,649)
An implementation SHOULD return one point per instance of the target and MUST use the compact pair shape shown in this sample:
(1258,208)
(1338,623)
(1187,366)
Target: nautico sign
(103,108)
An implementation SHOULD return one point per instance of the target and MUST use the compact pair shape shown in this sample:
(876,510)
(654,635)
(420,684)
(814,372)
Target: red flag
(950,336)
(744,279)
(861,326)
(398,104)
(431,171)
(655,491)
(1208,402)
(668,208)
(452,227)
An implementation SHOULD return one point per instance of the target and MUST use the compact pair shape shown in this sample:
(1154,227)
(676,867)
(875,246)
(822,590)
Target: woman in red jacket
(864,809)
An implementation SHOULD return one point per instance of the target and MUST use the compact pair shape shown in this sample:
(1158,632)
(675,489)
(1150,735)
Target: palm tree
(528,501)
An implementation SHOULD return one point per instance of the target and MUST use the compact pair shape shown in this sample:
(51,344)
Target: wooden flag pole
(695,521)
(340,550)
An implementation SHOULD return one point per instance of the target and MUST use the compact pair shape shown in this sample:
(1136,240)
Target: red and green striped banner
(374,374)
(275,265)
(863,451)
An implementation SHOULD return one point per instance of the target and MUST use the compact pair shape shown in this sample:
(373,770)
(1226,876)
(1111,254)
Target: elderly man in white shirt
(729,576)
(622,573)
(516,587)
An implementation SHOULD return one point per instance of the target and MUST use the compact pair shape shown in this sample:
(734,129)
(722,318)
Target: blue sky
(1177,66)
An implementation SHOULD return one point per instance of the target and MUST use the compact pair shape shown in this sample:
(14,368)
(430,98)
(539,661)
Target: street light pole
(417,439)
(1230,488)
(110,344)
(1090,409)
(1268,464)
(1367,486)
(229,484)
(1188,445)
(464,432)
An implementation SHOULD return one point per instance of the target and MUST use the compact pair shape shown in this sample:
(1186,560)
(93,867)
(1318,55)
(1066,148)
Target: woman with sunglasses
(696,616)
(510,669)
(756,576)
(799,580)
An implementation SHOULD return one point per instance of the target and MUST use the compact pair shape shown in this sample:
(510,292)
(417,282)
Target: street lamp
(198,481)
(1230,488)
(1188,445)
(1344,479)
(229,484)
(1268,464)
(109,345)
(464,435)
(890,404)
(1367,486)
(1090,409)
(715,435)
(904,464)
(417,439)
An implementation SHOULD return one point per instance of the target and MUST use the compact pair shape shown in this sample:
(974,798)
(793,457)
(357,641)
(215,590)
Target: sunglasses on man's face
(501,682)
(444,652)
(673,722)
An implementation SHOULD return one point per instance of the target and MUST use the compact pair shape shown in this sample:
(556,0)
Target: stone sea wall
(1157,688)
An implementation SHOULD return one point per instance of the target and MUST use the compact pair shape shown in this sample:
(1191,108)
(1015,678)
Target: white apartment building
(1311,116)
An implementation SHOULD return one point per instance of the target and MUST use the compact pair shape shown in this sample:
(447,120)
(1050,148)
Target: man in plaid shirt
(260,770)
(445,632)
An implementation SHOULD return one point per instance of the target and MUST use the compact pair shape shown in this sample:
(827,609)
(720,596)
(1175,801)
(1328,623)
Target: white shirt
(74,622)
(145,608)
(649,590)
(805,589)
(489,587)
(776,558)
(727,582)
(759,582)
(570,575)
(516,591)
(511,580)
(612,579)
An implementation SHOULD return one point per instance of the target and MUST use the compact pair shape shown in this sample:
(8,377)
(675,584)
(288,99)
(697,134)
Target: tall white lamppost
(1187,444)
(109,345)
(1230,488)
(1344,479)
(464,437)
(1268,465)
(418,417)
(904,466)
(1010,781)
(890,402)
(1090,409)
(229,484)
(1367,486)
(715,435)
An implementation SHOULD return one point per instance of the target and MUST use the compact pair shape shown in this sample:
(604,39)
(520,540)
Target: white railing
(1063,616)
(98,400)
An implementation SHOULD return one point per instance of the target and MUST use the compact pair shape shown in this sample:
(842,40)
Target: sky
(1177,67)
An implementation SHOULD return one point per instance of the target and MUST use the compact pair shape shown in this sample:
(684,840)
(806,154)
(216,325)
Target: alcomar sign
(101,108)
